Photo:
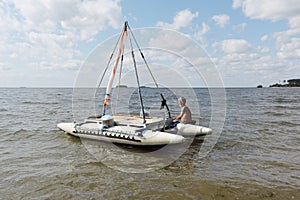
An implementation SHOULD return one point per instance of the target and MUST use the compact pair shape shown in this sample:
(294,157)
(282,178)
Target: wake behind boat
(142,130)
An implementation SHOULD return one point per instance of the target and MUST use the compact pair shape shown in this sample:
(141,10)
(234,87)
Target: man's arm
(179,116)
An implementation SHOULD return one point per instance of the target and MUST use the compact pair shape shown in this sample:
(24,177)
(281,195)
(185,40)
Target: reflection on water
(135,159)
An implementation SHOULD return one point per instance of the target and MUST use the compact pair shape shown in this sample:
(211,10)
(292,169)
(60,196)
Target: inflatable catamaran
(132,130)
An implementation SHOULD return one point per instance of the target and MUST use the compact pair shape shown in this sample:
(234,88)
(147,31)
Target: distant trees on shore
(288,83)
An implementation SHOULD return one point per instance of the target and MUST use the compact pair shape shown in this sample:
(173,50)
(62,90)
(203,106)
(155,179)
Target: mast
(113,73)
(138,83)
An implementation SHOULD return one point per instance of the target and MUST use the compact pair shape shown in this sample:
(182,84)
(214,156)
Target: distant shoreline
(285,87)
(288,84)
(130,87)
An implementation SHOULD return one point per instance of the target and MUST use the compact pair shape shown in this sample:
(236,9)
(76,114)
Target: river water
(256,154)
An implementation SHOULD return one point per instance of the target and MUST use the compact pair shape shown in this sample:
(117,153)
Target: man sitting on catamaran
(185,116)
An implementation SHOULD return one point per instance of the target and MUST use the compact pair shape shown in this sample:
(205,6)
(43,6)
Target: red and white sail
(114,70)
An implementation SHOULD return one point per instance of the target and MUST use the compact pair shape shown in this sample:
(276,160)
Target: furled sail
(113,73)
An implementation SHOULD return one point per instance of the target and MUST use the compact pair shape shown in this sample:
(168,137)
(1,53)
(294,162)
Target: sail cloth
(113,73)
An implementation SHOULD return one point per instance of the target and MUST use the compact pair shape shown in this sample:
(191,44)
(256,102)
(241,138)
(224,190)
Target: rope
(108,63)
(143,57)
(164,102)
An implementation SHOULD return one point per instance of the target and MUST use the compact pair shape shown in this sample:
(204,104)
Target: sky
(44,43)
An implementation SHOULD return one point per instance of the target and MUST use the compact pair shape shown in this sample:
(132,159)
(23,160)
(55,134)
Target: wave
(40,103)
(20,131)
(284,107)
(274,114)
(283,100)
(286,123)
(12,114)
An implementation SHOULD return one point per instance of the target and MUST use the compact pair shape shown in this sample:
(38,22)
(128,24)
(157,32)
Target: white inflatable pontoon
(187,130)
(131,133)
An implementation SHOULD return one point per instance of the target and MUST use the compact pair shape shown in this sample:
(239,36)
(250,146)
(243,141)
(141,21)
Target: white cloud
(251,68)
(182,19)
(46,33)
(4,66)
(290,49)
(205,29)
(165,40)
(273,10)
(49,15)
(92,17)
(238,48)
(8,17)
(221,20)
(263,49)
(47,64)
(294,24)
(199,35)
(240,27)
(237,3)
(264,38)
(52,46)
(233,46)
(287,46)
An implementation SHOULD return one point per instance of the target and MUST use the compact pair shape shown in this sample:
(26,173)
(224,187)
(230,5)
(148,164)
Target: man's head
(181,101)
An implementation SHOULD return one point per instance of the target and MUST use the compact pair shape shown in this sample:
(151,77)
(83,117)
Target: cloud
(237,3)
(287,45)
(294,24)
(182,19)
(199,35)
(252,68)
(50,15)
(165,40)
(233,46)
(263,49)
(93,17)
(4,66)
(44,33)
(290,49)
(272,10)
(204,29)
(239,27)
(264,38)
(266,9)
(221,20)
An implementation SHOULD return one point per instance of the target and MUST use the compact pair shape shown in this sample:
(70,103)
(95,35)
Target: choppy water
(256,156)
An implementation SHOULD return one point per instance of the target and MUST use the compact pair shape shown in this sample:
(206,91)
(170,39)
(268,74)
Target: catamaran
(142,130)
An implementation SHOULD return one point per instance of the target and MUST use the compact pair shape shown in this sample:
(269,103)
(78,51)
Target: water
(256,156)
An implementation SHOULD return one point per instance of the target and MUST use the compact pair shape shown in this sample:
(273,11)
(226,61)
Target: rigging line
(145,61)
(111,56)
(137,80)
(164,102)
